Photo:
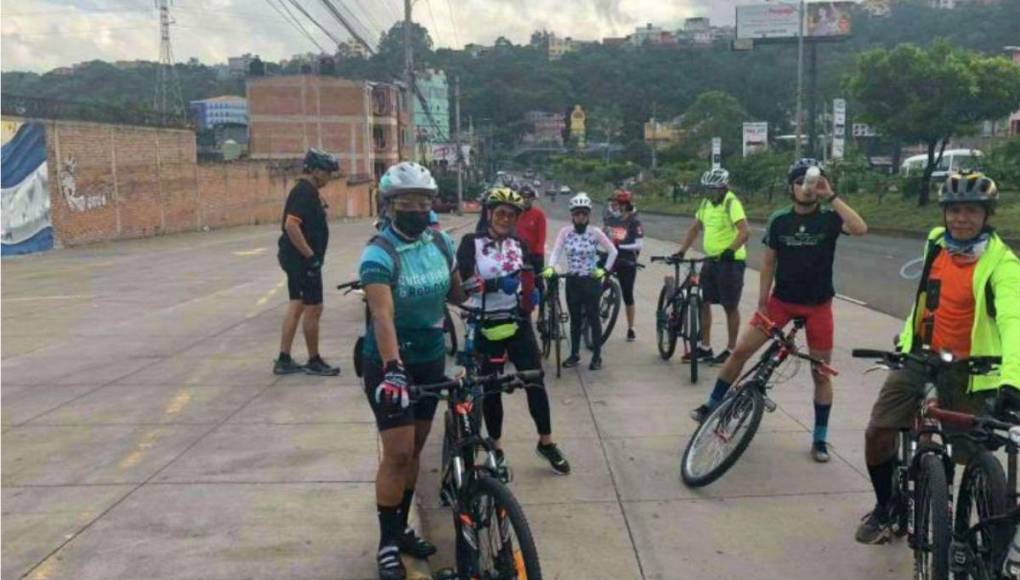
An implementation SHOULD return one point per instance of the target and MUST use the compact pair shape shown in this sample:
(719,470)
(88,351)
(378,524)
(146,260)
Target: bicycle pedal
(770,405)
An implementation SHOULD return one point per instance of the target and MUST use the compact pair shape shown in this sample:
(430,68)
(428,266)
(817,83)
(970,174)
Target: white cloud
(39,35)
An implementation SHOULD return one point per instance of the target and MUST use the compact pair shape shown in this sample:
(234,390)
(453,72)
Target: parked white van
(952,160)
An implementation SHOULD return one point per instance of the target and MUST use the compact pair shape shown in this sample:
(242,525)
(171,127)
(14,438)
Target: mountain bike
(449,329)
(610,301)
(493,539)
(678,312)
(553,323)
(727,431)
(922,503)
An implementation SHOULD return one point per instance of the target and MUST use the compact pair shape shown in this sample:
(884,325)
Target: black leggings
(522,350)
(626,274)
(583,295)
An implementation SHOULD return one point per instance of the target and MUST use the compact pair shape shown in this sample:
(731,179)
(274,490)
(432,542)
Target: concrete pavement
(145,437)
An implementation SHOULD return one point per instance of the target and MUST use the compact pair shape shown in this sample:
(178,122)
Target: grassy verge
(890,214)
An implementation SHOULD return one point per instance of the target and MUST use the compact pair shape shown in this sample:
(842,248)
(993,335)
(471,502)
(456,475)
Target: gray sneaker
(820,451)
(317,366)
(874,528)
(286,366)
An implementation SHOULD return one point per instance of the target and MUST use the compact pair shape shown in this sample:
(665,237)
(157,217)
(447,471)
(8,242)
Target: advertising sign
(716,152)
(782,21)
(577,122)
(863,130)
(448,152)
(756,138)
(838,128)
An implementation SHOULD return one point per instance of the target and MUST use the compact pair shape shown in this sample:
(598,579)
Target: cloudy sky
(39,35)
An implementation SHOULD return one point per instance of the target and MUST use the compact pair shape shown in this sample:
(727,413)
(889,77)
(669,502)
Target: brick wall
(112,182)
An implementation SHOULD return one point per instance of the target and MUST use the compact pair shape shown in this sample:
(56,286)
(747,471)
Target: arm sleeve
(607,245)
(634,247)
(638,235)
(1005,282)
(466,257)
(557,247)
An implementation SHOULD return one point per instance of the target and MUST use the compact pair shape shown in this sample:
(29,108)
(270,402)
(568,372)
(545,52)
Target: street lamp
(800,68)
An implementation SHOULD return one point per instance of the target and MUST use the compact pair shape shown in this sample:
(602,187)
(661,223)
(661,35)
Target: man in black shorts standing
(302,249)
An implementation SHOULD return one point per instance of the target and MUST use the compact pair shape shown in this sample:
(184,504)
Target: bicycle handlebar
(506,382)
(930,360)
(350,286)
(676,260)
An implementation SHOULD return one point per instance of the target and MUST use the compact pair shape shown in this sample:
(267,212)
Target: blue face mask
(972,248)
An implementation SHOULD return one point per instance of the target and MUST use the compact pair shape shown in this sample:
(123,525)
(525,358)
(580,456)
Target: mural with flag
(26,223)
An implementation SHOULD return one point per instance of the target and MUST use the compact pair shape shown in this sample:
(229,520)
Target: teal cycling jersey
(418,297)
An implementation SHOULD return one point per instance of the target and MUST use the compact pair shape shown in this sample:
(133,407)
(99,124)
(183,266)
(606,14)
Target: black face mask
(411,223)
(579,228)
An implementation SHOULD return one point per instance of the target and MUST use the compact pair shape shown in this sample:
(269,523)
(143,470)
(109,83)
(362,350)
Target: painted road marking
(852,300)
(265,298)
(912,269)
(254,252)
(132,459)
(58,297)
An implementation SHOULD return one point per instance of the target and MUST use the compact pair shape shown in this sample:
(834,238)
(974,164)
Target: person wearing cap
(408,272)
(975,279)
(722,220)
(800,248)
(302,250)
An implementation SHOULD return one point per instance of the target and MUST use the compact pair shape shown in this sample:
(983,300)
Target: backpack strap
(382,242)
(990,299)
(444,249)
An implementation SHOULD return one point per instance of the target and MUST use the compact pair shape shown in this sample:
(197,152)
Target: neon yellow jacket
(996,276)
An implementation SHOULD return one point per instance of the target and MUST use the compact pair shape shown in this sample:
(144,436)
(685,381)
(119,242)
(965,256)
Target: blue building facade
(208,113)
(435,90)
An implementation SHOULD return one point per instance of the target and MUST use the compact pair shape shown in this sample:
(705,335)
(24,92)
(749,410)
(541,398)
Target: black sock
(284,356)
(389,525)
(314,358)
(405,507)
(881,480)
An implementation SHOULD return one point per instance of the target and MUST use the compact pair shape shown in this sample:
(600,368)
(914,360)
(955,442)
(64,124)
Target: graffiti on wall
(26,225)
(86,198)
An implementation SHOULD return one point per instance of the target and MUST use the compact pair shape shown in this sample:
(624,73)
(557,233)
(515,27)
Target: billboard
(781,21)
(716,152)
(756,138)
(838,128)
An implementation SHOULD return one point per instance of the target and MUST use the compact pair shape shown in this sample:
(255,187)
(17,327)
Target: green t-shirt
(720,225)
(418,298)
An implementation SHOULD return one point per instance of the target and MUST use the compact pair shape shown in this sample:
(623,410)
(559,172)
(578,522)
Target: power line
(316,22)
(428,4)
(349,20)
(295,24)
(371,18)
(346,24)
(453,21)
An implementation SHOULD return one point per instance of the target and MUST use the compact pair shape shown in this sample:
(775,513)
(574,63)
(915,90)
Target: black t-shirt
(805,246)
(624,232)
(305,204)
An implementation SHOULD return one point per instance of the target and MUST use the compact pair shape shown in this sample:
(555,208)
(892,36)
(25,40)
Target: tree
(714,114)
(932,95)
(389,59)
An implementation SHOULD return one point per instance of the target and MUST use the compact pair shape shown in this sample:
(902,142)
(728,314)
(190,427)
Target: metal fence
(42,108)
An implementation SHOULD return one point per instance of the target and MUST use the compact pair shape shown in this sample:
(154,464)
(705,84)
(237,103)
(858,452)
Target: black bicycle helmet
(800,167)
(319,159)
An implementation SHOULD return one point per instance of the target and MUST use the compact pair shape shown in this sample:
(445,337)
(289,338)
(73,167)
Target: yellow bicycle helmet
(504,196)
(969,186)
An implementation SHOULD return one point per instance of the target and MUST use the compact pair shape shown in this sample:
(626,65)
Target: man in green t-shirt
(721,217)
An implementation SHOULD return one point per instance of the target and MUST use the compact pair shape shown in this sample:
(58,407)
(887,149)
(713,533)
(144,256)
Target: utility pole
(800,77)
(409,78)
(167,101)
(655,137)
(460,150)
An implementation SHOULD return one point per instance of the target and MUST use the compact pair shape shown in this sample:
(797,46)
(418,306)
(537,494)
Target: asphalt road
(869,270)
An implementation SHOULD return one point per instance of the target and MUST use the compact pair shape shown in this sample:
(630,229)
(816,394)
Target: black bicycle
(449,328)
(553,319)
(727,431)
(678,312)
(610,301)
(921,506)
(493,539)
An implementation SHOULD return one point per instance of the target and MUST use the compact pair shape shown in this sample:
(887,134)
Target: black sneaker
(595,364)
(874,528)
(286,366)
(571,361)
(820,451)
(413,545)
(720,358)
(502,469)
(317,366)
(556,460)
(701,413)
(631,337)
(390,566)
(704,354)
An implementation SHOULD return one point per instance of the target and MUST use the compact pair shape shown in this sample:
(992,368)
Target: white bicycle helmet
(406,177)
(718,177)
(580,201)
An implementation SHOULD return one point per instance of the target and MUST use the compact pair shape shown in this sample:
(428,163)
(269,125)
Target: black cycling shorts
(422,410)
(626,274)
(723,282)
(301,286)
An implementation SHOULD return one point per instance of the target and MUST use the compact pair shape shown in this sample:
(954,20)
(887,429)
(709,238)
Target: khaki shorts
(901,395)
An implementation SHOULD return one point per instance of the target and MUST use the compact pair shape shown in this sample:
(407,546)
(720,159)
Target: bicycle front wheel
(609,307)
(982,496)
(545,323)
(665,336)
(932,531)
(723,437)
(493,536)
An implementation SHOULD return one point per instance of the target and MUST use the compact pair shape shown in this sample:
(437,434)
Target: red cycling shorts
(817,318)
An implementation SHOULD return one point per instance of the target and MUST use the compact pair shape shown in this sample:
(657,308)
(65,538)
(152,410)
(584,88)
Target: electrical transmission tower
(168,103)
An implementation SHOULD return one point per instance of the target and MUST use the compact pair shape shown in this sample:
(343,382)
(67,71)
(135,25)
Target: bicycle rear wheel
(609,307)
(983,495)
(665,335)
(545,323)
(723,437)
(692,332)
(449,332)
(932,527)
(493,536)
